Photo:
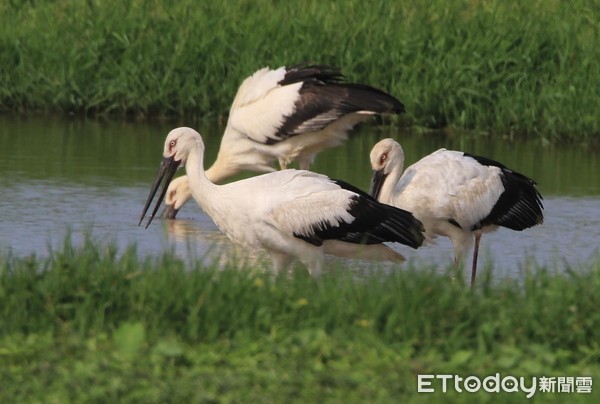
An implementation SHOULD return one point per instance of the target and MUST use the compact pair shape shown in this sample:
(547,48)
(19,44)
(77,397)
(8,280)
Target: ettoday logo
(508,384)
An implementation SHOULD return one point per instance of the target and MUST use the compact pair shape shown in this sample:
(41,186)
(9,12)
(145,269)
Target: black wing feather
(373,223)
(322,74)
(519,206)
(325,98)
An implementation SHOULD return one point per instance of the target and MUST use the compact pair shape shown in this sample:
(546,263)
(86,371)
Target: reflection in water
(212,245)
(569,236)
(93,177)
(42,212)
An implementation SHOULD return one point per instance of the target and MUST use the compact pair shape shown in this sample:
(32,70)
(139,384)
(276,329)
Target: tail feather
(395,225)
(519,206)
(378,223)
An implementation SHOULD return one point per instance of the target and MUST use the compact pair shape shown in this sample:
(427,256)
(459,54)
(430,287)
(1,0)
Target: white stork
(290,114)
(290,213)
(455,194)
(177,194)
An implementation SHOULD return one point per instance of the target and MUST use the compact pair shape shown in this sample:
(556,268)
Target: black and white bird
(455,194)
(289,213)
(290,114)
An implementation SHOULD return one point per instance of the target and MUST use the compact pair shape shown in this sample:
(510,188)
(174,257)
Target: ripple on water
(44,211)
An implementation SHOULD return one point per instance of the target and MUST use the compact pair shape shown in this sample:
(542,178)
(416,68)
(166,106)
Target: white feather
(443,187)
(446,184)
(260,119)
(258,111)
(270,210)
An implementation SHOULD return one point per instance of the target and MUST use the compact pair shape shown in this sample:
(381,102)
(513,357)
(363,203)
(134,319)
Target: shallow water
(60,176)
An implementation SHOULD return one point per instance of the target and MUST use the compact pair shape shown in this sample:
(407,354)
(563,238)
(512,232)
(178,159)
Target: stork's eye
(383,158)
(172,144)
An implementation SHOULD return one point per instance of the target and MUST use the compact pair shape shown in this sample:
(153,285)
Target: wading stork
(177,194)
(290,114)
(289,213)
(455,194)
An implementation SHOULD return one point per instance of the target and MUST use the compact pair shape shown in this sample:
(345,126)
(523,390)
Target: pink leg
(475,254)
(304,164)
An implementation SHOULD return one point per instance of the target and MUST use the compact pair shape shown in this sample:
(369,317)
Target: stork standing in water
(455,194)
(289,114)
(290,213)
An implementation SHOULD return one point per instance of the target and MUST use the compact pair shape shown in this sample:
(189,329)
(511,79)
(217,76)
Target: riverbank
(525,68)
(92,323)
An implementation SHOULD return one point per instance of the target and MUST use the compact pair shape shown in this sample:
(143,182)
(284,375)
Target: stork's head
(178,145)
(177,194)
(386,157)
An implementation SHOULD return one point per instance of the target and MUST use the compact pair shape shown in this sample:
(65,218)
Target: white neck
(389,185)
(220,170)
(238,153)
(226,163)
(203,190)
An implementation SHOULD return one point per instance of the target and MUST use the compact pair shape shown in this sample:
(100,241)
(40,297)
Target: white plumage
(290,114)
(177,194)
(455,194)
(289,213)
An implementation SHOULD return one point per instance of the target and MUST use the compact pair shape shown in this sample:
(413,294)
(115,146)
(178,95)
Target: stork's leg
(312,258)
(305,160)
(304,164)
(282,164)
(456,273)
(280,261)
(461,241)
(314,266)
(475,254)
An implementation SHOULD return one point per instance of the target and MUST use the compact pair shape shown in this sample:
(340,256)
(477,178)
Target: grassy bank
(91,324)
(495,66)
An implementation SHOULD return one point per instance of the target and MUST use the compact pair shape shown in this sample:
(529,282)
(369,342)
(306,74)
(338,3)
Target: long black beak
(169,212)
(168,167)
(377,180)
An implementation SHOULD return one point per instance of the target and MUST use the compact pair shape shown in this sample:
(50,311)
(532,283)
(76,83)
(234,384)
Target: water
(61,176)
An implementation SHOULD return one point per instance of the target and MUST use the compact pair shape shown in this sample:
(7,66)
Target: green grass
(493,66)
(92,324)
